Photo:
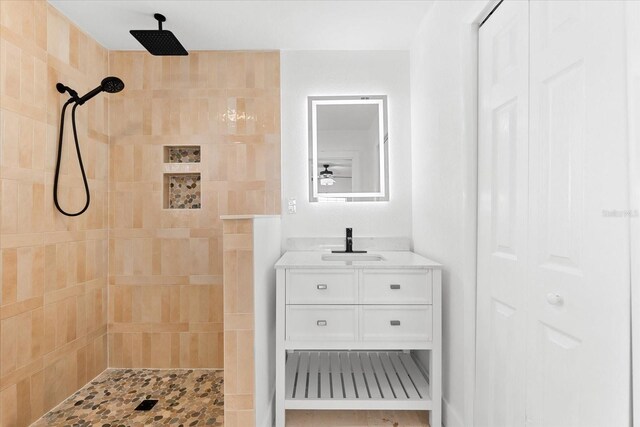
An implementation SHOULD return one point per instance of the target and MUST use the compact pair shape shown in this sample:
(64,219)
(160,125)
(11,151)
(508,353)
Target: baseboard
(450,417)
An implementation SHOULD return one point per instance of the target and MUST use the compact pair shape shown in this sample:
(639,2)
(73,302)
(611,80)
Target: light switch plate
(292,205)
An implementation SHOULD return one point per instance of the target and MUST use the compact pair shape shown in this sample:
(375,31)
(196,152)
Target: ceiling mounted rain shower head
(159,42)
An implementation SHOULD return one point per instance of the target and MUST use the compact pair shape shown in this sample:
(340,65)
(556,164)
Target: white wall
(308,73)
(443,108)
(266,231)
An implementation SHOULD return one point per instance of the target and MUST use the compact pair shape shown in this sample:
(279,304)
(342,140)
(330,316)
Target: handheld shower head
(112,84)
(109,84)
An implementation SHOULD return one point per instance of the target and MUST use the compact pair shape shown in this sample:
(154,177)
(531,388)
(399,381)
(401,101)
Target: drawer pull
(395,286)
(395,323)
(321,323)
(321,286)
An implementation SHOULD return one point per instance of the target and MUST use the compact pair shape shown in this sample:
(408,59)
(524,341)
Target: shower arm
(160,18)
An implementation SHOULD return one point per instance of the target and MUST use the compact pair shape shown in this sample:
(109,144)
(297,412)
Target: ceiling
(253,25)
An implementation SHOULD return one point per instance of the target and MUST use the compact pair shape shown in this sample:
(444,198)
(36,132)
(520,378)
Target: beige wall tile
(53,268)
(9,405)
(164,280)
(245,360)
(9,275)
(239,322)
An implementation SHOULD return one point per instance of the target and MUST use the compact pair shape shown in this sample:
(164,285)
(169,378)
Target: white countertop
(371,244)
(391,259)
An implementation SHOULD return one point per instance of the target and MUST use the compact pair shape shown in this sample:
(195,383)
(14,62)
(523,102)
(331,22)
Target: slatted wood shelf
(355,380)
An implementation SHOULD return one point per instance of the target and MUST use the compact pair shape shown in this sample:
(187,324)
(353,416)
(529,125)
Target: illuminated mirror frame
(381,102)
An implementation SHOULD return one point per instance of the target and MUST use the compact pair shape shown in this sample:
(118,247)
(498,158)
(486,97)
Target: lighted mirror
(348,148)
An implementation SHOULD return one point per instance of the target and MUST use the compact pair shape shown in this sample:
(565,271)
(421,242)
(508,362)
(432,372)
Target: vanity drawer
(396,287)
(322,322)
(322,287)
(396,322)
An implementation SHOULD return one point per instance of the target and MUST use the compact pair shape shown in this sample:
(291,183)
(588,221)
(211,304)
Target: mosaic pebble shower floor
(186,397)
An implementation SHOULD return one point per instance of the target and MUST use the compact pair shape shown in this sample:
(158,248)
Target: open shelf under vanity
(355,380)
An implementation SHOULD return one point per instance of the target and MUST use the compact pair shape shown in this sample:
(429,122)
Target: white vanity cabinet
(358,334)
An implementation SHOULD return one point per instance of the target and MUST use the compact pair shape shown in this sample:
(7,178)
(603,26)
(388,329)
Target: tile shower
(134,282)
(167,263)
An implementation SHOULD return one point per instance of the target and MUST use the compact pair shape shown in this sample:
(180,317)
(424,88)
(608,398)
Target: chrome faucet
(349,244)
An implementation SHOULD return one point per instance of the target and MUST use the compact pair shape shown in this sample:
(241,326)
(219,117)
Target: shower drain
(146,405)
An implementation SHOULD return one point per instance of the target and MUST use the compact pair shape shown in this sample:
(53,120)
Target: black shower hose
(57,174)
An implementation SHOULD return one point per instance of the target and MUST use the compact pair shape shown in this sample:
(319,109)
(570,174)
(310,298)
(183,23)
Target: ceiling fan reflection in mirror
(327,177)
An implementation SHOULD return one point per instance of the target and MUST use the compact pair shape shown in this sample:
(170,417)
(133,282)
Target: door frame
(633,109)
(478,11)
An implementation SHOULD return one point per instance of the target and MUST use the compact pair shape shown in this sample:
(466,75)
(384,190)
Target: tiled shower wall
(53,305)
(239,371)
(165,280)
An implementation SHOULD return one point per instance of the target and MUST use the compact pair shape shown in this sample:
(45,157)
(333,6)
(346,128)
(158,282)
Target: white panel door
(502,216)
(578,299)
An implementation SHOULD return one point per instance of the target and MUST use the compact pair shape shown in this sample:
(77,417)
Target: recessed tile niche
(182,154)
(182,191)
(182,177)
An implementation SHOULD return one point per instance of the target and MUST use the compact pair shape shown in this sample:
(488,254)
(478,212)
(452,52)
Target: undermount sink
(352,257)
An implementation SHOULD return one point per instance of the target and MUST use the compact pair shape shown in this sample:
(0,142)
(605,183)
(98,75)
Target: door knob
(321,323)
(554,299)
